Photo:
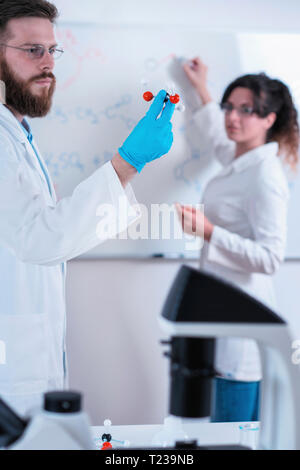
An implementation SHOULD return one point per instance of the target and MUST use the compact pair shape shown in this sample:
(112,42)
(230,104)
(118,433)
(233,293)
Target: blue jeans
(233,400)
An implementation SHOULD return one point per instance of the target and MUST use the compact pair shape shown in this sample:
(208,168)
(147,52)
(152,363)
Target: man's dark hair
(10,9)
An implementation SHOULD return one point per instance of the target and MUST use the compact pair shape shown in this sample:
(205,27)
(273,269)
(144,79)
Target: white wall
(114,355)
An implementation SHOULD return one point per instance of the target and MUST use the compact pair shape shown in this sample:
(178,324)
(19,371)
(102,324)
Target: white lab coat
(37,236)
(247,202)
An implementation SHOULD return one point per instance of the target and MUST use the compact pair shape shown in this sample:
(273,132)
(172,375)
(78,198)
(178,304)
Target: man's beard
(19,97)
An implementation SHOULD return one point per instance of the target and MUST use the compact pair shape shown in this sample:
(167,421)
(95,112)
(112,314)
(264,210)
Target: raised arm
(196,71)
(40,233)
(209,119)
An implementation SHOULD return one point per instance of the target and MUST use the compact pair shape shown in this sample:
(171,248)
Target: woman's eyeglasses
(241,111)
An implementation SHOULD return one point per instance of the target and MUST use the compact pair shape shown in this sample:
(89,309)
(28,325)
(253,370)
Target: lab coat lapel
(8,120)
(254,156)
(250,158)
(33,161)
(225,170)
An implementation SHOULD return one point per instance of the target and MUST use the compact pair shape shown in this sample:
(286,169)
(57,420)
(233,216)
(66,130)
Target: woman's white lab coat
(37,236)
(247,202)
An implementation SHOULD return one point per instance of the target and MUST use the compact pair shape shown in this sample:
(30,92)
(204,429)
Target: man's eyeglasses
(37,51)
(242,110)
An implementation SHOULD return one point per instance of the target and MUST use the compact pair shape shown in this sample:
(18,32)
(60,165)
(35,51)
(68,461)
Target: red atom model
(106,445)
(148,96)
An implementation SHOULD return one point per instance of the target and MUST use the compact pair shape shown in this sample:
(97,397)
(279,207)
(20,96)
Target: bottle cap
(62,402)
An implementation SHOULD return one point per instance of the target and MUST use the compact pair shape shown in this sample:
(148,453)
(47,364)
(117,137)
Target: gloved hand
(152,137)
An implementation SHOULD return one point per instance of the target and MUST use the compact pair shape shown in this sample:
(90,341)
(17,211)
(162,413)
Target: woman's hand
(194,222)
(196,71)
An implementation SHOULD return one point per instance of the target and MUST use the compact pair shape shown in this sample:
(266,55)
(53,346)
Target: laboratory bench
(140,436)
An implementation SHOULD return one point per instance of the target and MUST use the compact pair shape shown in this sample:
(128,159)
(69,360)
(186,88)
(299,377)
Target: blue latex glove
(152,137)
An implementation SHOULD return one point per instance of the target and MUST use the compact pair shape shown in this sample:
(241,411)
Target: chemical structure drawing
(185,171)
(93,116)
(78,56)
(57,164)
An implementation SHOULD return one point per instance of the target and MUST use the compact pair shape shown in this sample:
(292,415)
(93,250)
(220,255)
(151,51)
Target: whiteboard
(98,102)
